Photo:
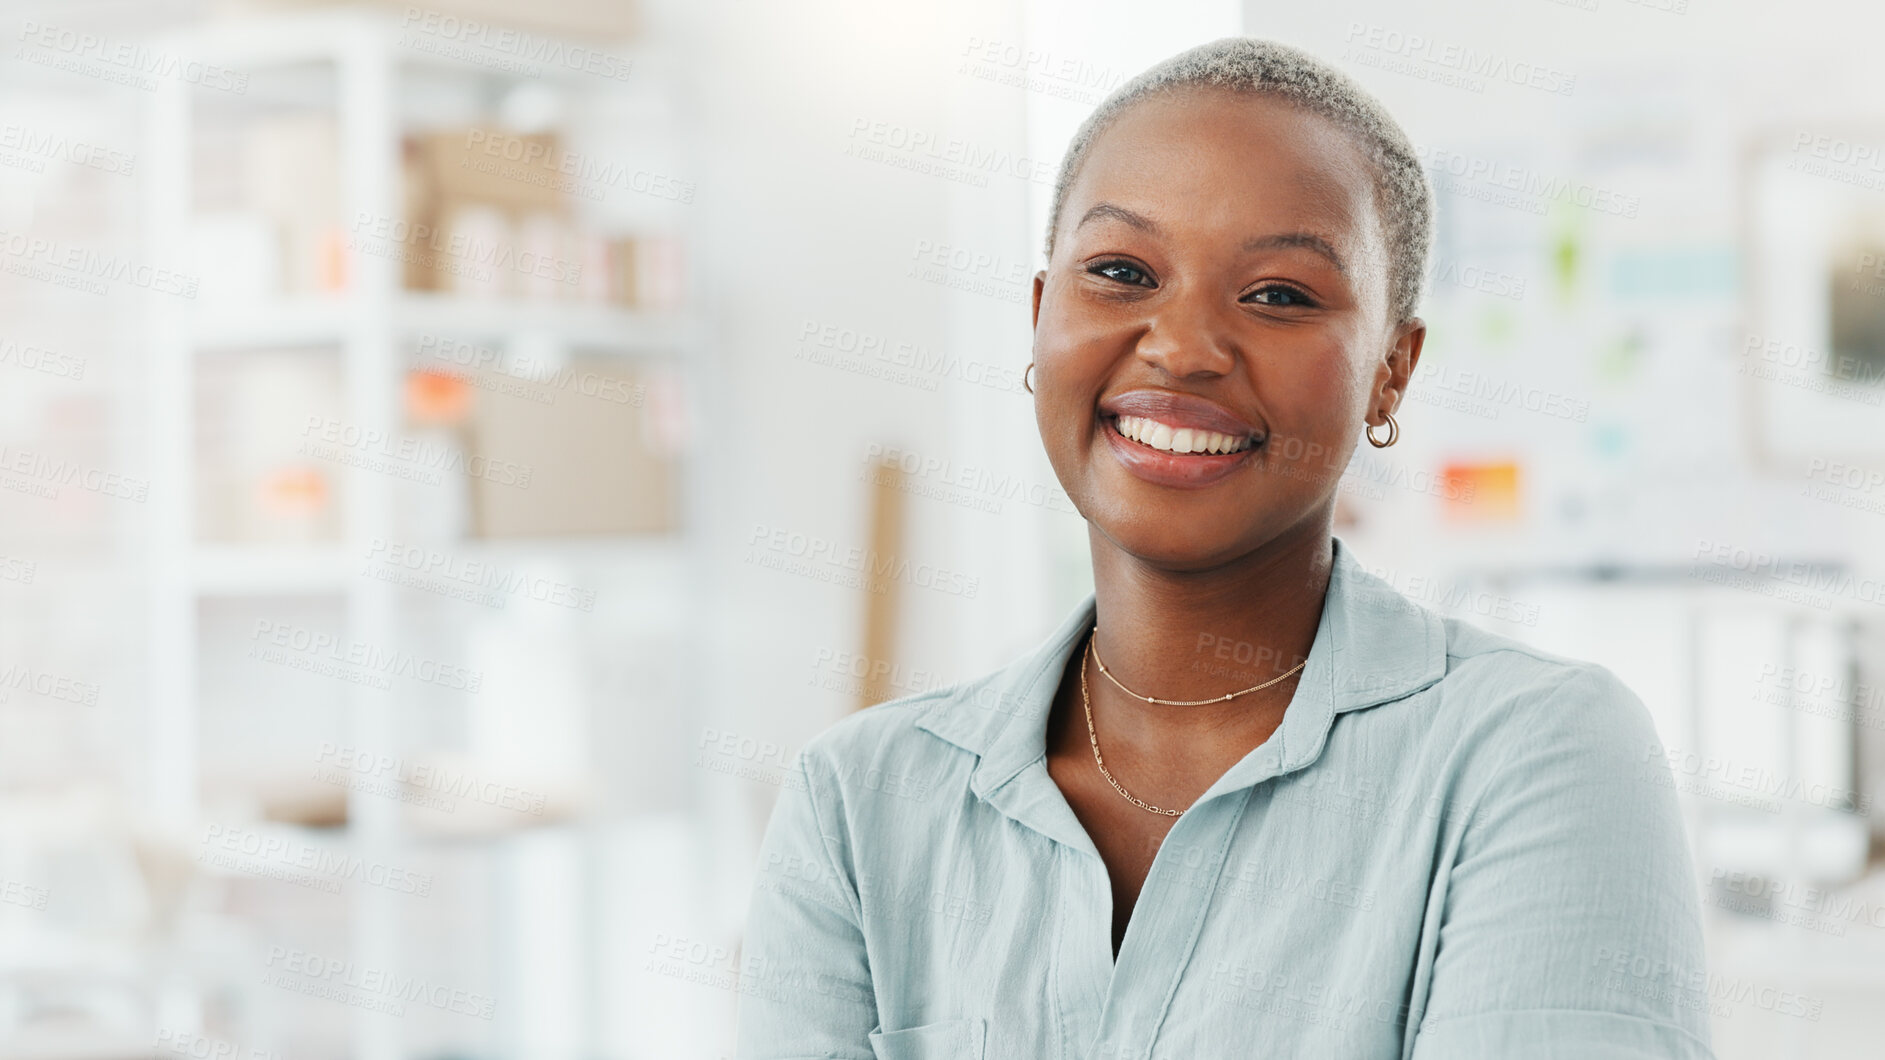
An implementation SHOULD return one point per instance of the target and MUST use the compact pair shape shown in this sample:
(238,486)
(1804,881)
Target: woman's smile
(1174,439)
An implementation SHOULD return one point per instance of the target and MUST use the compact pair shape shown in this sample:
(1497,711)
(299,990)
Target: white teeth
(1178,439)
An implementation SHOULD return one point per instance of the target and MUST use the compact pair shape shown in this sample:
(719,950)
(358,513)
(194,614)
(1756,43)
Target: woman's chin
(1154,540)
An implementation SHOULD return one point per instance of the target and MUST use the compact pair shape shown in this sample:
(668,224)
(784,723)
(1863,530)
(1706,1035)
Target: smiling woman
(1386,834)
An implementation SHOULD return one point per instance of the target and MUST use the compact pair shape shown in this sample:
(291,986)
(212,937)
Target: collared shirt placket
(1107,1010)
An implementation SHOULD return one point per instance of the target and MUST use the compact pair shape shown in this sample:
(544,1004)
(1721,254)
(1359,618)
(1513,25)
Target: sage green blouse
(1455,846)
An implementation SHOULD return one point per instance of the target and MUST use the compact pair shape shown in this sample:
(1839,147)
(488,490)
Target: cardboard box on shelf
(593,463)
(487,216)
(487,164)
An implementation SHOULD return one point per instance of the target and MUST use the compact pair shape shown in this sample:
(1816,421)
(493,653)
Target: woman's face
(1218,281)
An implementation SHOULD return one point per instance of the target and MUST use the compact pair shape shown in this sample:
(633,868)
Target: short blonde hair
(1262,67)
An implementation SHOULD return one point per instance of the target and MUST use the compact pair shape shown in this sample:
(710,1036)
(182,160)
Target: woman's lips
(1179,410)
(1164,468)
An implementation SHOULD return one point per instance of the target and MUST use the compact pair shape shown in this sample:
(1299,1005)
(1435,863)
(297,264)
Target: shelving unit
(315,320)
(368,325)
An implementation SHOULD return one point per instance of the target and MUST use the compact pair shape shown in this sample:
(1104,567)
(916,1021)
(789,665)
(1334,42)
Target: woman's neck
(1199,635)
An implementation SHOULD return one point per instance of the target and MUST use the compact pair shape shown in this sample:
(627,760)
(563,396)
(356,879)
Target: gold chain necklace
(1094,738)
(1184,702)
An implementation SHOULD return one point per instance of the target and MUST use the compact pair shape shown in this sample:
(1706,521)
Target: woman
(1394,835)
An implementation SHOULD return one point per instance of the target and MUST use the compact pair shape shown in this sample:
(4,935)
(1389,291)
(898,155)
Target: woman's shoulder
(906,745)
(1483,660)
(1502,692)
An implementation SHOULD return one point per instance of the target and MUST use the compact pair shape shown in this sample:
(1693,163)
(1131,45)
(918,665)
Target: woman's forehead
(1208,159)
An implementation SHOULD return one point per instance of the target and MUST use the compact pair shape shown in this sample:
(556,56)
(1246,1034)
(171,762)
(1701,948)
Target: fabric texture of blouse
(1454,846)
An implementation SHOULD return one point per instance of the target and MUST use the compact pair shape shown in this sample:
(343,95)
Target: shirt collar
(1372,646)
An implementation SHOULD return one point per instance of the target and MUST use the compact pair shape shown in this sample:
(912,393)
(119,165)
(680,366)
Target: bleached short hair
(1403,195)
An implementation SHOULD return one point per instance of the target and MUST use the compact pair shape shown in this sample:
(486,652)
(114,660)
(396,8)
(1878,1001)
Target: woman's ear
(1040,281)
(1403,356)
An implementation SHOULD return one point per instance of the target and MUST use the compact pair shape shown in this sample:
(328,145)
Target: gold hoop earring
(1024,377)
(1394,432)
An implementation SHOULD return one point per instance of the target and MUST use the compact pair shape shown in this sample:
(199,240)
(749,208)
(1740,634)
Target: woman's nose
(1188,334)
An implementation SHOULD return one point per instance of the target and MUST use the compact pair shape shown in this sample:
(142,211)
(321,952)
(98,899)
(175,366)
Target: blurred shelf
(323,320)
(609,548)
(263,41)
(327,567)
(380,74)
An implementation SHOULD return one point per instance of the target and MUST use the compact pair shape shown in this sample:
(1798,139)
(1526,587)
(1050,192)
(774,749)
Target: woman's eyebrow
(1118,213)
(1309,240)
(1298,239)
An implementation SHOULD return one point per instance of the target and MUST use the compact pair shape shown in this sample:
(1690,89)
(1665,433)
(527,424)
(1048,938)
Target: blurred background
(455,454)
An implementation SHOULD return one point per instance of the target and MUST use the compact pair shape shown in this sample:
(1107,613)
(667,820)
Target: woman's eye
(1119,270)
(1277,294)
